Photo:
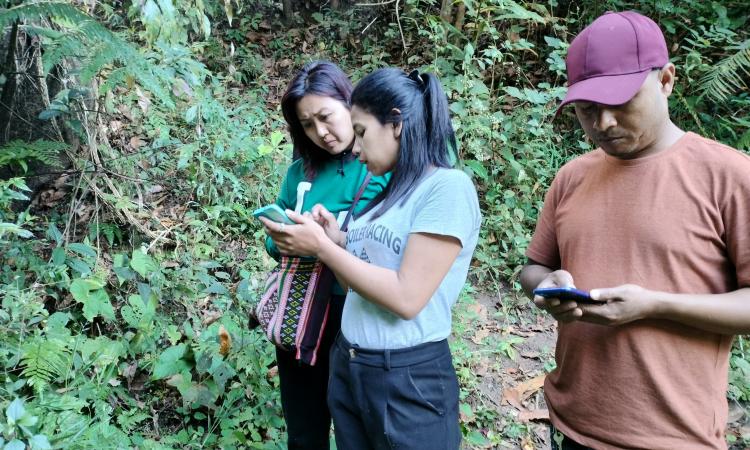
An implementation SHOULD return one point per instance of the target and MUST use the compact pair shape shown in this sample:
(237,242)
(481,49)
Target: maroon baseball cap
(610,59)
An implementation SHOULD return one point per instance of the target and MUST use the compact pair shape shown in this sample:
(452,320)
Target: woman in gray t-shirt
(404,260)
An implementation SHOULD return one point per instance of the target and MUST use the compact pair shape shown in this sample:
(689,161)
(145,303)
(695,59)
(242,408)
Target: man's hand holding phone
(557,295)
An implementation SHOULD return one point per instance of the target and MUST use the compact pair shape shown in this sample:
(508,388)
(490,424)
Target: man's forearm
(720,313)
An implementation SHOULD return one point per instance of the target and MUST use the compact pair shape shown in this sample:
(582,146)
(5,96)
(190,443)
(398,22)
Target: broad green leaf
(276,137)
(54,233)
(170,362)
(15,444)
(173,334)
(47,114)
(27,420)
(475,438)
(82,249)
(98,304)
(12,228)
(15,411)
(123,274)
(243,291)
(216,288)
(264,149)
(79,266)
(206,25)
(39,442)
(186,155)
(95,300)
(138,314)
(142,263)
(477,168)
(222,373)
(58,256)
(190,115)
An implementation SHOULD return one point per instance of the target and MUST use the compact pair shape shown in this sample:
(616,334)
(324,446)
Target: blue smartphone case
(566,293)
(273,212)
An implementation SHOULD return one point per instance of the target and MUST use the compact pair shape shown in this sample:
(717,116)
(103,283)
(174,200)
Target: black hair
(322,78)
(427,137)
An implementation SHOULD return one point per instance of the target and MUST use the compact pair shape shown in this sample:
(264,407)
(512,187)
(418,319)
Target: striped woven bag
(293,309)
(294,306)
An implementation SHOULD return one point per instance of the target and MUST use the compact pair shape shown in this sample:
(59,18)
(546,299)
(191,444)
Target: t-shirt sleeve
(449,208)
(543,247)
(736,215)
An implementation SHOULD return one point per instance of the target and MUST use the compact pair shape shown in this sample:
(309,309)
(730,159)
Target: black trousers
(304,389)
(385,399)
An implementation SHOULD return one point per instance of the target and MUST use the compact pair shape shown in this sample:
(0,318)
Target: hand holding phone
(273,212)
(566,293)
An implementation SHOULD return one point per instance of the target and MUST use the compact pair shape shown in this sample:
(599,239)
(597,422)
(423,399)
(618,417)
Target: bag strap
(356,200)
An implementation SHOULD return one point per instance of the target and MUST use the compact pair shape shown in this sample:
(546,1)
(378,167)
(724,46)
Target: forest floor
(506,347)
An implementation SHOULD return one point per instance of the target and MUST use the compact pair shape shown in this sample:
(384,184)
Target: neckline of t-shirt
(688,135)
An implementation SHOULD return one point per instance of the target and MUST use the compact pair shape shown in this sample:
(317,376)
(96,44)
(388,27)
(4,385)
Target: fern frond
(44,360)
(63,13)
(90,43)
(729,75)
(20,153)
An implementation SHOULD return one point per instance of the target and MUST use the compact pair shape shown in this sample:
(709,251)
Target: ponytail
(438,121)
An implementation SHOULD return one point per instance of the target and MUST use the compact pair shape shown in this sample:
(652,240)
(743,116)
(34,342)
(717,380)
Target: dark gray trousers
(385,399)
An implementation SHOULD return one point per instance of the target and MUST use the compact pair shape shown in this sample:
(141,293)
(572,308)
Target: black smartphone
(566,293)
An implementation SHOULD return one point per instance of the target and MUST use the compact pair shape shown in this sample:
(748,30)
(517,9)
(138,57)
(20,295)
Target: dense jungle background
(136,136)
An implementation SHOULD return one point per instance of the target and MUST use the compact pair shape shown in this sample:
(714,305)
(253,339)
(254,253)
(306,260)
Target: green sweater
(335,186)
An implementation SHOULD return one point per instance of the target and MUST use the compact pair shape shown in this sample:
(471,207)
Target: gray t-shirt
(444,203)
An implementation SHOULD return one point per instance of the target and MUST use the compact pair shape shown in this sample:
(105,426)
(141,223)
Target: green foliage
(43,361)
(20,153)
(729,75)
(112,335)
(12,190)
(81,37)
(94,298)
(19,424)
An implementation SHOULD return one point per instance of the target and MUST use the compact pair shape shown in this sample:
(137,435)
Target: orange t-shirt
(677,221)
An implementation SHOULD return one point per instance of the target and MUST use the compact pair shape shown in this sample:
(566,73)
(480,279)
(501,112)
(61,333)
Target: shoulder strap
(356,200)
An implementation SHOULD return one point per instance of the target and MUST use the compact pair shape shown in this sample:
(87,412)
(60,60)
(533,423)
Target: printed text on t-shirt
(378,233)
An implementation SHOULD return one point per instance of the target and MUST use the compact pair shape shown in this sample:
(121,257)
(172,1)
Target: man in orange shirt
(655,223)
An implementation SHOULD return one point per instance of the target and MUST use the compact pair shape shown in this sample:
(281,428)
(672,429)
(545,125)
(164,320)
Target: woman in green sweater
(316,108)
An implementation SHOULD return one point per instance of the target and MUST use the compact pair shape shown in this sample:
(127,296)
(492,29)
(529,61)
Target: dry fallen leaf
(479,310)
(537,414)
(528,387)
(479,335)
(513,397)
(516,395)
(225,341)
(210,317)
(136,142)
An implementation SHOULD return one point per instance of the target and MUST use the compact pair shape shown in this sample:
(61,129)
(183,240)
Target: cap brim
(607,90)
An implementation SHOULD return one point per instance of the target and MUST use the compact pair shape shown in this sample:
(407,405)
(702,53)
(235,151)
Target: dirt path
(506,348)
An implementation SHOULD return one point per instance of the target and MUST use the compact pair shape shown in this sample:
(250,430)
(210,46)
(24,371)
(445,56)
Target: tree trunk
(8,97)
(460,15)
(446,8)
(288,13)
(335,4)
